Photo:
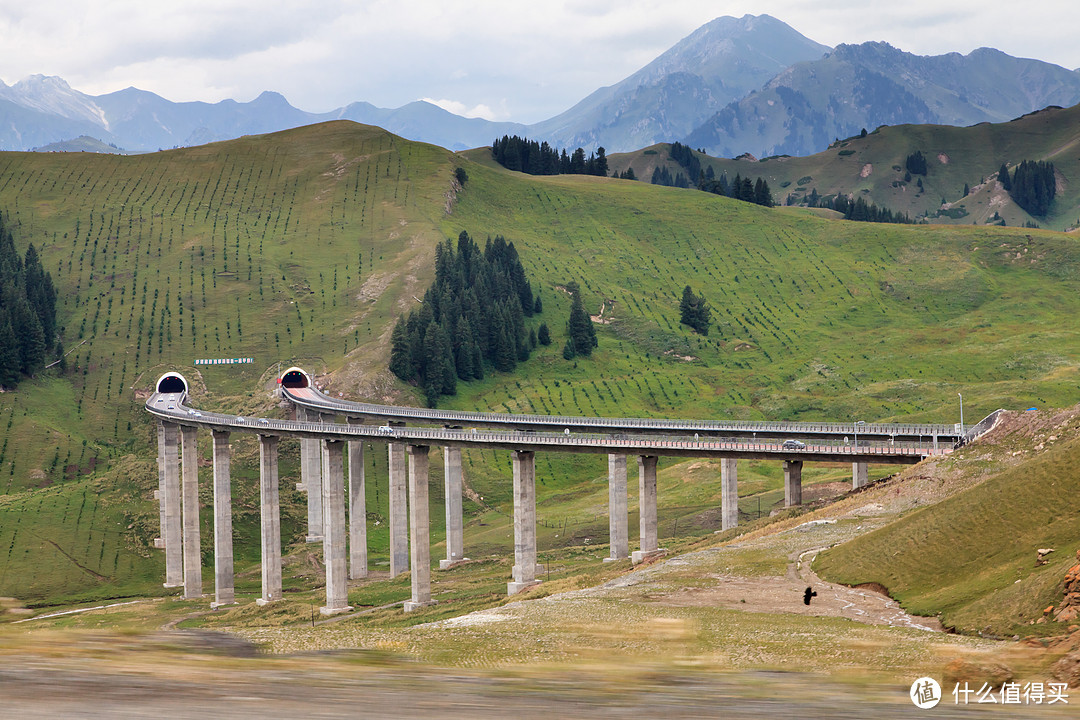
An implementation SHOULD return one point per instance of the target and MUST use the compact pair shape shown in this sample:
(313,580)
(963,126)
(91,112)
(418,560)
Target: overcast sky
(499,59)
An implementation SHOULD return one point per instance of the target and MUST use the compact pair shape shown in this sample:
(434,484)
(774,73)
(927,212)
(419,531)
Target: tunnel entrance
(294,378)
(171,383)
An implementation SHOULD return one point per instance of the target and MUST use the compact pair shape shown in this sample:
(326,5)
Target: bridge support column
(337,594)
(190,495)
(159,495)
(524,571)
(399,522)
(357,509)
(729,493)
(269,513)
(618,532)
(224,593)
(792,482)
(859,476)
(454,523)
(311,477)
(419,528)
(174,530)
(646,509)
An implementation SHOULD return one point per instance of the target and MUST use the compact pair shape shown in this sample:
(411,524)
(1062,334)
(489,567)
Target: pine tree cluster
(694,311)
(1033,186)
(754,191)
(662,176)
(915,163)
(535,158)
(742,188)
(473,315)
(862,211)
(686,157)
(27,312)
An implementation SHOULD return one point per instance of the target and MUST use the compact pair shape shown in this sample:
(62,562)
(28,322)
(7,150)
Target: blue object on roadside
(1031,408)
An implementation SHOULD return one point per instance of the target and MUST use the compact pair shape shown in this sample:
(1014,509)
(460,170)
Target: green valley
(304,247)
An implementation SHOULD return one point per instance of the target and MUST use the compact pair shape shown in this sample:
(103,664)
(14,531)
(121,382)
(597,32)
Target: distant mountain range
(735,85)
(718,63)
(811,104)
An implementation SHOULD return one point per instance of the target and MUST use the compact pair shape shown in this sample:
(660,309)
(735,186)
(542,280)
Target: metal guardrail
(159,405)
(311,397)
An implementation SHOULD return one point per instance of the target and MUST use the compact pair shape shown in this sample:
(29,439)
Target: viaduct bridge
(332,432)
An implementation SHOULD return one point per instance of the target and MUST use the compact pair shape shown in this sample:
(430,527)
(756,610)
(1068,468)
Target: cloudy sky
(499,59)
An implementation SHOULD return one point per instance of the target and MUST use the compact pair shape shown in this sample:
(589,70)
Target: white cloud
(507,59)
(460,108)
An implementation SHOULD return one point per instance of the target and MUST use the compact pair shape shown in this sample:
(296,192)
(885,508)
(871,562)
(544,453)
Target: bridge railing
(312,397)
(625,442)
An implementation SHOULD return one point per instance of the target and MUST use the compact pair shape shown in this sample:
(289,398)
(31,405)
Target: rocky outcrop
(1068,610)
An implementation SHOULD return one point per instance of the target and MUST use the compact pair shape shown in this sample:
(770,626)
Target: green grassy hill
(873,167)
(971,558)
(303,247)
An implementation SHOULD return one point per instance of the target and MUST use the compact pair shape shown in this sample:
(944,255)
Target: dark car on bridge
(794,445)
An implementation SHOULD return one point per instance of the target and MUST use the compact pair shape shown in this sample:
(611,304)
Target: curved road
(169,403)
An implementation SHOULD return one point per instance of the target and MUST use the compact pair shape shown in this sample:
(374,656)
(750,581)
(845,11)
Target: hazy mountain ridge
(716,64)
(734,85)
(807,106)
(719,62)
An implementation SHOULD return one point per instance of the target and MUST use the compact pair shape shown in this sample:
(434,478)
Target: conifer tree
(579,328)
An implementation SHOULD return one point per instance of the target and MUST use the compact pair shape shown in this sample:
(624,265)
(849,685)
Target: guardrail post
(224,593)
(419,528)
(270,519)
(454,524)
(859,476)
(337,595)
(792,482)
(311,477)
(618,532)
(174,529)
(190,496)
(358,560)
(646,508)
(729,493)
(524,570)
(399,520)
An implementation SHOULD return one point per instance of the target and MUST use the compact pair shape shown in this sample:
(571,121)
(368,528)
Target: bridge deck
(172,407)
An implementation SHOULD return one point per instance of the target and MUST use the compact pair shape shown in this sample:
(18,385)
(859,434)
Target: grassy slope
(302,247)
(291,249)
(969,155)
(971,558)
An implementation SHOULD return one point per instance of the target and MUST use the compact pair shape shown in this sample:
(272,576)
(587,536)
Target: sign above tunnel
(225,361)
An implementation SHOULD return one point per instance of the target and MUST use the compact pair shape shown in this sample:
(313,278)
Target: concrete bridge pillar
(859,476)
(524,571)
(792,482)
(311,477)
(337,595)
(618,530)
(270,519)
(224,593)
(159,494)
(399,521)
(358,565)
(190,496)
(454,523)
(419,527)
(173,530)
(729,493)
(646,508)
